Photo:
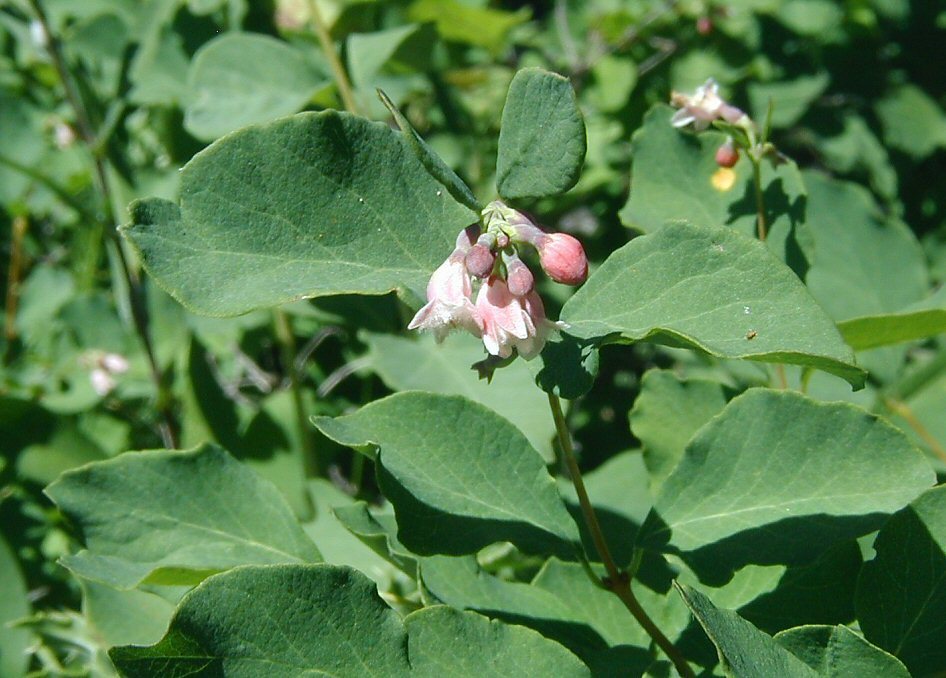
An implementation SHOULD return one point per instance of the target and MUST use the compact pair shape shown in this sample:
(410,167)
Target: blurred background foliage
(858,94)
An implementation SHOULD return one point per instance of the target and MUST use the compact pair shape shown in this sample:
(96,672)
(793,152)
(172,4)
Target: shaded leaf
(744,650)
(913,122)
(779,478)
(542,137)
(317,204)
(711,289)
(921,320)
(14,605)
(838,651)
(468,481)
(169,517)
(901,594)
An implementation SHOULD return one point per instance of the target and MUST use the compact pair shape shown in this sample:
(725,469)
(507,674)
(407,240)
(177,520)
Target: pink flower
(509,322)
(449,305)
(703,107)
(563,258)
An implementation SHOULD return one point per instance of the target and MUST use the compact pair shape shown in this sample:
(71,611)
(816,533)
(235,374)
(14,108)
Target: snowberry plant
(763,532)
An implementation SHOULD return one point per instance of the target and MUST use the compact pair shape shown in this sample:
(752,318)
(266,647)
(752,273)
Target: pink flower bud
(518,277)
(563,258)
(479,260)
(704,25)
(727,155)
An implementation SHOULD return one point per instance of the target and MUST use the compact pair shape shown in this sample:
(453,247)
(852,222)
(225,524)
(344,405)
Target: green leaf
(838,652)
(779,478)
(711,289)
(921,320)
(294,619)
(560,603)
(14,605)
(444,642)
(468,24)
(901,596)
(239,79)
(744,650)
(913,122)
(542,138)
(169,517)
(791,98)
(419,363)
(432,162)
(132,617)
(336,538)
(566,367)
(307,206)
(864,264)
(667,413)
(459,476)
(377,531)
(300,620)
(675,178)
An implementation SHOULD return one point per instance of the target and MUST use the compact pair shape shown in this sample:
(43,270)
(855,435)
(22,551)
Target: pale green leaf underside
(311,205)
(240,79)
(712,289)
(901,594)
(172,517)
(838,652)
(306,620)
(778,478)
(466,481)
(542,137)
(924,319)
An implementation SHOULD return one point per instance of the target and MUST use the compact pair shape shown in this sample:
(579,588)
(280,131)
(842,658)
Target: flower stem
(618,582)
(759,203)
(136,299)
(328,48)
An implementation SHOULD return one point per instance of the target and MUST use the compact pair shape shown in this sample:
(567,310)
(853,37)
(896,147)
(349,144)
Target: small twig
(618,582)
(328,48)
(340,375)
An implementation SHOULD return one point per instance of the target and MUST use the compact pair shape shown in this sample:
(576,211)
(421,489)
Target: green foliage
(711,289)
(347,497)
(217,254)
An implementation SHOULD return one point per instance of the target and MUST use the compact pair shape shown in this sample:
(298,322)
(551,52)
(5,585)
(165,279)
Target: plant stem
(287,340)
(759,203)
(328,48)
(136,303)
(19,228)
(618,582)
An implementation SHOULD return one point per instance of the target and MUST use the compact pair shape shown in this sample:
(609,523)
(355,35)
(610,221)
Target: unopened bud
(727,155)
(479,260)
(519,278)
(704,25)
(563,258)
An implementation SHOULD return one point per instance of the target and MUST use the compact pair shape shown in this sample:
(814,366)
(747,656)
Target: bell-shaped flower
(703,107)
(510,322)
(449,304)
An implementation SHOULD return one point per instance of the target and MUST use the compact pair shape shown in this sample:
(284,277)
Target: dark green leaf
(838,652)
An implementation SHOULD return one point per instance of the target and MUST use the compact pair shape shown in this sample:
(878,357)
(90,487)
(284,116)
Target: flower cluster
(508,313)
(703,107)
(104,367)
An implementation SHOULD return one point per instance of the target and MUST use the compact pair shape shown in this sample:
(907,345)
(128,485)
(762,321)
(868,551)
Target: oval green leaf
(542,138)
(169,517)
(711,289)
(312,205)
(456,485)
(778,478)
